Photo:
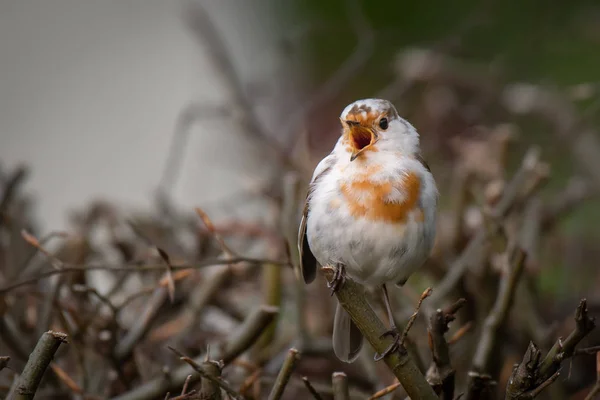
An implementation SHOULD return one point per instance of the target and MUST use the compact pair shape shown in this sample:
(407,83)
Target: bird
(370,211)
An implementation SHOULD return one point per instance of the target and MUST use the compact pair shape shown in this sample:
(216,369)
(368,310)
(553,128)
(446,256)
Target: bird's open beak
(360,137)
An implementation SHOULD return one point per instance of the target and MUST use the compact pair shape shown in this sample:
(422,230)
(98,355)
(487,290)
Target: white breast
(374,252)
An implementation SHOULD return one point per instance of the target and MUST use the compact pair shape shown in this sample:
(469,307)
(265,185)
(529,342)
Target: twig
(521,384)
(211,388)
(350,68)
(340,386)
(36,366)
(496,319)
(175,156)
(212,383)
(211,228)
(10,190)
(137,268)
(441,374)
(47,307)
(205,30)
(66,379)
(186,384)
(169,273)
(576,192)
(595,391)
(460,333)
(534,374)
(247,334)
(284,374)
(512,195)
(587,351)
(351,297)
(426,293)
(10,334)
(202,296)
(385,391)
(562,350)
(4,360)
(249,381)
(311,388)
(142,325)
(240,341)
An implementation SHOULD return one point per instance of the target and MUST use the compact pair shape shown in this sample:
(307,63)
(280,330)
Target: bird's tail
(347,339)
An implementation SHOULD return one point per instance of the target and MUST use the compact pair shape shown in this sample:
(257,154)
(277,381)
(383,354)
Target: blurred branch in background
(514,234)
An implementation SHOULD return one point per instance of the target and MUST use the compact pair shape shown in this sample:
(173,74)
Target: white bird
(370,211)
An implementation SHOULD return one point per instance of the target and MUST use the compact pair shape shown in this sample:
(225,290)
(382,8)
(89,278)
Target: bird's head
(373,125)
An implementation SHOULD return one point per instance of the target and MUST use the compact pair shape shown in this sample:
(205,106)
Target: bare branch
(39,360)
(284,374)
(351,297)
(240,341)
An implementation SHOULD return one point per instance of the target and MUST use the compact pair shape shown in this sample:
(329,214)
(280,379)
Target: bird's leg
(393,331)
(339,277)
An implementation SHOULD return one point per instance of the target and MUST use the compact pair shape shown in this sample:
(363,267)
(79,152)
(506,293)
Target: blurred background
(117,118)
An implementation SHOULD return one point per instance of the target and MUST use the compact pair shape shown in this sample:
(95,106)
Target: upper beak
(361,138)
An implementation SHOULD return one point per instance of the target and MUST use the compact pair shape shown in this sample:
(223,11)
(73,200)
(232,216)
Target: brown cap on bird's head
(362,121)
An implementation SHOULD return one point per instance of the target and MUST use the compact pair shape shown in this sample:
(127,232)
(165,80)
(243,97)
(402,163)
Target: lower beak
(361,138)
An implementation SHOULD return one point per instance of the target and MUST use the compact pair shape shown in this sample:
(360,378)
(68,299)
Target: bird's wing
(308,262)
(422,161)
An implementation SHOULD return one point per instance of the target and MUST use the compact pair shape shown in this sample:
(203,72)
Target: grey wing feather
(347,338)
(308,262)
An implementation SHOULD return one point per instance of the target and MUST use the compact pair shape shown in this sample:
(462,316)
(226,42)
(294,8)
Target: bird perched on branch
(370,211)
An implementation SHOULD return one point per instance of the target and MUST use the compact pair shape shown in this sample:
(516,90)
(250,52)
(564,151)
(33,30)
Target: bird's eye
(383,123)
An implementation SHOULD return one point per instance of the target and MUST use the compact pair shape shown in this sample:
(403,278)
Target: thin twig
(202,25)
(384,391)
(311,388)
(495,320)
(131,268)
(564,349)
(441,373)
(595,391)
(186,384)
(211,376)
(236,344)
(142,325)
(512,195)
(426,293)
(284,374)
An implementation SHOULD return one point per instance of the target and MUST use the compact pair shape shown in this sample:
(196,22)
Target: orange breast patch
(368,199)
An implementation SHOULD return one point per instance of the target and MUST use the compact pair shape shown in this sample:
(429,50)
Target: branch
(284,374)
(142,325)
(36,366)
(240,341)
(441,374)
(496,320)
(562,350)
(72,268)
(513,194)
(340,386)
(534,374)
(311,389)
(212,383)
(202,25)
(10,190)
(595,391)
(351,297)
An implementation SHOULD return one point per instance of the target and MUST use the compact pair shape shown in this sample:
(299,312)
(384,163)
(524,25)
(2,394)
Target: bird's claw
(339,277)
(395,345)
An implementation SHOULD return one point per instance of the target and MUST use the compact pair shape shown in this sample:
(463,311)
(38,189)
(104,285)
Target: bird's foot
(395,345)
(339,277)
